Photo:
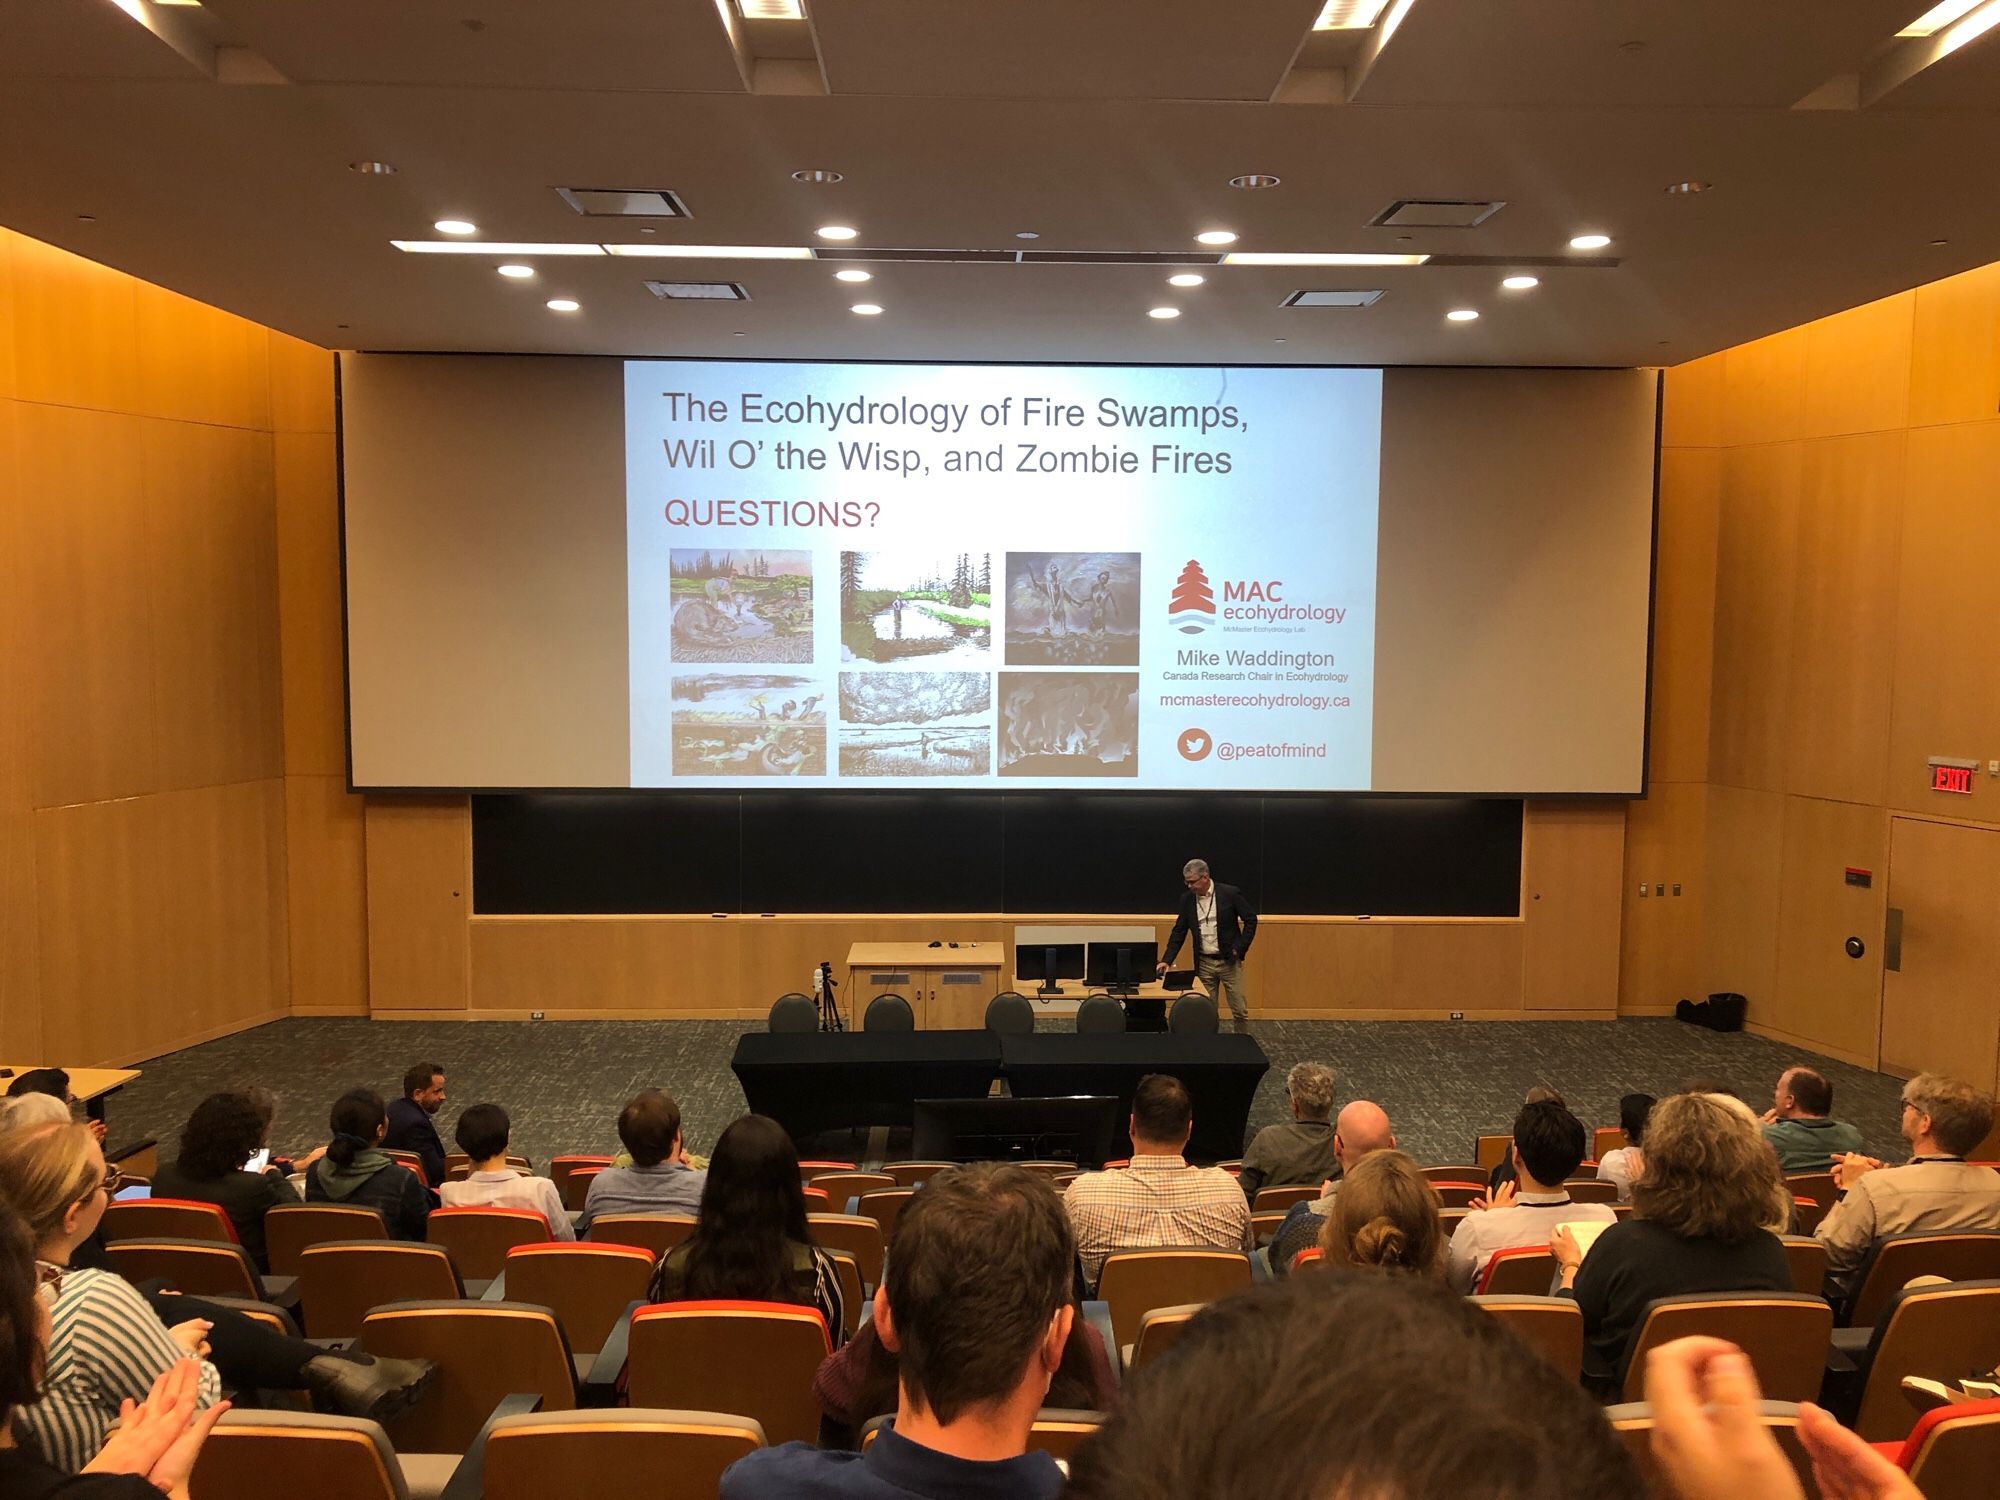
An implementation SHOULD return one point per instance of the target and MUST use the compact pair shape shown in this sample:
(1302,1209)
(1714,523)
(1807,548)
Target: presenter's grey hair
(1311,1086)
(1194,867)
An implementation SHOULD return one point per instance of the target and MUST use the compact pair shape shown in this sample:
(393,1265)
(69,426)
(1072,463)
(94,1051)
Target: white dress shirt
(1530,1221)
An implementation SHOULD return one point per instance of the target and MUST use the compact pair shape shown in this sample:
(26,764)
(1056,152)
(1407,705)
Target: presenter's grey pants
(1227,979)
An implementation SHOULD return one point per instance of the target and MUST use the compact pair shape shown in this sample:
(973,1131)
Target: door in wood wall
(1941,985)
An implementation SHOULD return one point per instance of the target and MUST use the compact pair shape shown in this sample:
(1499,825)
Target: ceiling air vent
(624,203)
(1332,299)
(698,291)
(1436,213)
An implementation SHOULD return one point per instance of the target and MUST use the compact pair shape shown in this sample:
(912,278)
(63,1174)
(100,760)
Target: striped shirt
(1156,1202)
(107,1345)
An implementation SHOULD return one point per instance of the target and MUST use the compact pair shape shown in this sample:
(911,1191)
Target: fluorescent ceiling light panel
(713,252)
(492,247)
(770,10)
(1312,258)
(1977,24)
(1350,15)
(1938,17)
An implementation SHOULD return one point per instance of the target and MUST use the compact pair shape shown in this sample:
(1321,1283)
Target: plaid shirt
(1157,1201)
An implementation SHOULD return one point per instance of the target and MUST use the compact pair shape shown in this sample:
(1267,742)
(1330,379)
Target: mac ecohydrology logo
(1191,610)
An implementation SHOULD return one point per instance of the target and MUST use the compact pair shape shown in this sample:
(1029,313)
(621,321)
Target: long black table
(812,1081)
(1221,1074)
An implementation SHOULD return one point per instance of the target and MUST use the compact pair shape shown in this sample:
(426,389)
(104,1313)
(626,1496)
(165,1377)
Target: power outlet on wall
(1458,1015)
(535,1015)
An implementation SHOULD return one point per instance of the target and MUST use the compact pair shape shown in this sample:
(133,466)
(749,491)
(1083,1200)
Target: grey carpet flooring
(1442,1082)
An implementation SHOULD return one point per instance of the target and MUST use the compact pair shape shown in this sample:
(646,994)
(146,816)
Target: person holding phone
(216,1165)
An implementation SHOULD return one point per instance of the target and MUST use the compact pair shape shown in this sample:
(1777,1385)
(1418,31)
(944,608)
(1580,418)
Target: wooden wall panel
(1946,652)
(1691,413)
(1755,587)
(1843,623)
(1763,390)
(1469,966)
(1955,349)
(199,364)
(1822,995)
(9,330)
(1576,855)
(1740,896)
(419,868)
(76,330)
(1941,1009)
(301,385)
(1684,613)
(308,541)
(326,888)
(20,1013)
(1321,967)
(1857,370)
(1661,936)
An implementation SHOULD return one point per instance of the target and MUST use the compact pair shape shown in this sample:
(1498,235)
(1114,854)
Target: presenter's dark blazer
(1235,923)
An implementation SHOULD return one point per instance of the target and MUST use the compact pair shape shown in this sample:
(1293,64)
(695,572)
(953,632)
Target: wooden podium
(947,987)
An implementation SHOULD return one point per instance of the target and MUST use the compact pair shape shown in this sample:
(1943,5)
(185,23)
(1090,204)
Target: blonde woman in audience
(1386,1216)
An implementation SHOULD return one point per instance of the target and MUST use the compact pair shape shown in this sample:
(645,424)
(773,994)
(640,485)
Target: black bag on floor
(1719,1012)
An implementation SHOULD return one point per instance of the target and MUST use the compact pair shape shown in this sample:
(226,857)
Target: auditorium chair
(1490,1150)
(853,1296)
(654,1233)
(1634,1423)
(200,1268)
(1010,1013)
(1048,1169)
(1234,1166)
(911,1173)
(272,1316)
(808,1170)
(1465,1173)
(889,1013)
(1449,1219)
(253,1455)
(1956,1255)
(1057,1431)
(1604,1140)
(660,1454)
(560,1167)
(1551,1326)
(414,1162)
(1134,1282)
(841,1187)
(756,1359)
(1193,1015)
(1159,1331)
(1807,1214)
(858,1235)
(818,1200)
(1099,1015)
(1785,1335)
(1591,1190)
(1818,1186)
(479,1238)
(1312,1258)
(1459,1194)
(793,1013)
(587,1286)
(483,1351)
(1281,1198)
(168,1218)
(1953,1452)
(458,1165)
(576,1187)
(340,1280)
(291,1228)
(885,1208)
(1807,1258)
(1518,1271)
(1944,1330)
(1264,1225)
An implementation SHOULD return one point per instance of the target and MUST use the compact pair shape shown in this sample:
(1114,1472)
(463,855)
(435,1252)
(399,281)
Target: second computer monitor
(1048,962)
(1120,965)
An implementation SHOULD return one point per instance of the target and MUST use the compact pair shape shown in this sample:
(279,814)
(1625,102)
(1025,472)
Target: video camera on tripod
(825,999)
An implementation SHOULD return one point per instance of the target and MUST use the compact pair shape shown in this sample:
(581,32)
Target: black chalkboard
(1057,852)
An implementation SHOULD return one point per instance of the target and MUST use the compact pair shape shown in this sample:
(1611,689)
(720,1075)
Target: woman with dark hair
(356,1171)
(222,1134)
(1624,1165)
(1697,1225)
(1386,1215)
(749,1237)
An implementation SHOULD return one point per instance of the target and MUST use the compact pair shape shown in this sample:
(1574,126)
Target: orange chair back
(1518,1271)
(1954,1451)
(1551,1326)
(1134,1282)
(414,1162)
(811,1169)
(1807,1214)
(664,1455)
(1784,1334)
(1490,1150)
(1591,1190)
(483,1351)
(576,1187)
(1807,1258)
(885,1208)
(1606,1139)
(841,1186)
(561,1168)
(1956,1255)
(587,1286)
(1458,1194)
(1633,1422)
(858,1235)
(299,1456)
(167,1218)
(288,1231)
(1264,1225)
(1818,1186)
(340,1281)
(1284,1197)
(1931,1330)
(1160,1330)
(200,1268)
(1312,1258)
(818,1200)
(657,1233)
(756,1359)
(1060,1433)
(1467,1173)
(910,1173)
(479,1238)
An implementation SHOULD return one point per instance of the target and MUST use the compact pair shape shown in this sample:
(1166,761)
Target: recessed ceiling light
(867,309)
(836,232)
(1692,185)
(1590,242)
(1316,258)
(1520,283)
(819,174)
(1940,242)
(1251,181)
(86,218)
(1216,237)
(1186,278)
(851,274)
(497,247)
(372,168)
(769,10)
(1026,234)
(516,273)
(455,226)
(1461,315)
(1938,17)
(1349,15)
(564,304)
(713,252)
(1164,312)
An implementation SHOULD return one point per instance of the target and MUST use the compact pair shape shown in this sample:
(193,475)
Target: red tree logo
(1192,606)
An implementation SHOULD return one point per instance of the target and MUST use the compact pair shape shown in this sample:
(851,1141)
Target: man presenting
(1223,923)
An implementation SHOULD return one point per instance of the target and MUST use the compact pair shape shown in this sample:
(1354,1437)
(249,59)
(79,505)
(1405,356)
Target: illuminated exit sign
(1953,775)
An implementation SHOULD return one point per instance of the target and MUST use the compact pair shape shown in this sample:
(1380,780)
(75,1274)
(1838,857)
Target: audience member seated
(358,1172)
(1503,1171)
(1363,1127)
(1697,1225)
(975,1306)
(1159,1199)
(54,1083)
(1623,1165)
(219,1137)
(152,1450)
(1549,1144)
(410,1127)
(750,1241)
(1352,1387)
(482,1133)
(1300,1151)
(659,1180)
(266,1104)
(1797,1126)
(25,1110)
(110,1341)
(1936,1189)
(1386,1216)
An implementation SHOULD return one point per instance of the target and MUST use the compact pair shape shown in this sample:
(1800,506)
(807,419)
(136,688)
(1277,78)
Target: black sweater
(1635,1262)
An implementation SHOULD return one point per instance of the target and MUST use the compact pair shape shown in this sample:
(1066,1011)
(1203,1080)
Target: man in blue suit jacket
(1223,922)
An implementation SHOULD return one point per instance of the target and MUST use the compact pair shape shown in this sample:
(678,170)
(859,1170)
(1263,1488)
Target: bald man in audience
(1362,1127)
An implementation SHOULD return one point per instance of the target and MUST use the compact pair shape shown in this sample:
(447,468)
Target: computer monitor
(1049,962)
(1121,967)
(1077,1127)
